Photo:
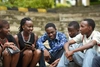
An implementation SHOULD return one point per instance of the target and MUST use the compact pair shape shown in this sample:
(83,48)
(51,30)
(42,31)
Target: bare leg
(26,58)
(14,60)
(6,58)
(36,57)
(0,51)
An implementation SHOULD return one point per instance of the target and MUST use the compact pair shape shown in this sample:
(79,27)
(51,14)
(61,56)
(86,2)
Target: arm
(35,40)
(16,39)
(86,46)
(63,40)
(66,46)
(40,42)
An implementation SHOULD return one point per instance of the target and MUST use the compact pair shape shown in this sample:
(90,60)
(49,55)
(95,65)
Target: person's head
(26,25)
(87,26)
(50,29)
(4,28)
(73,28)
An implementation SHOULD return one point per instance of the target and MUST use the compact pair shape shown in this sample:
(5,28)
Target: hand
(33,47)
(69,54)
(13,47)
(7,44)
(54,64)
(46,55)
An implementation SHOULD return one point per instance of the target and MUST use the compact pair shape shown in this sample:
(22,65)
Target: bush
(59,5)
(29,3)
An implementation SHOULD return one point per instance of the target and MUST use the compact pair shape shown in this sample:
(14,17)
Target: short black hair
(2,23)
(23,21)
(50,25)
(90,22)
(75,24)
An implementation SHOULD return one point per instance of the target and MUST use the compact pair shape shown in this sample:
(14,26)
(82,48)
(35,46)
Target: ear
(23,26)
(90,28)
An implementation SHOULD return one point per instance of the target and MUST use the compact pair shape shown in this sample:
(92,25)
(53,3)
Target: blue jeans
(82,59)
(96,61)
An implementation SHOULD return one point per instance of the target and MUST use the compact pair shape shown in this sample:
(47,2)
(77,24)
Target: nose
(31,28)
(50,34)
(80,29)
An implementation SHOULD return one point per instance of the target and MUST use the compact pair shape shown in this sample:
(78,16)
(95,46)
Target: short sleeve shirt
(82,38)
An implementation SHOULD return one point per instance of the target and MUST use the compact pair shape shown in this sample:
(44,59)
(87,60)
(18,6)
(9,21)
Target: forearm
(66,46)
(87,46)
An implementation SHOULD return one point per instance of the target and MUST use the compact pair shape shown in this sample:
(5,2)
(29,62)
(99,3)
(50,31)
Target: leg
(96,61)
(42,61)
(88,58)
(0,51)
(36,57)
(63,61)
(6,58)
(14,60)
(78,58)
(27,56)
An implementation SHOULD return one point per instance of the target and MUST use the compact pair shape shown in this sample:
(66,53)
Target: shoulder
(35,36)
(16,36)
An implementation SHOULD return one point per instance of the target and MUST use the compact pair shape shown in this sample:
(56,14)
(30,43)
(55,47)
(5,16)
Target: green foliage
(59,5)
(29,3)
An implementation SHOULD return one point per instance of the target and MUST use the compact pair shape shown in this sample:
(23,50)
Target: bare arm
(35,40)
(66,46)
(16,39)
(86,46)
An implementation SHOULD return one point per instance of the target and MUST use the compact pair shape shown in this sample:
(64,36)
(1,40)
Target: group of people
(80,46)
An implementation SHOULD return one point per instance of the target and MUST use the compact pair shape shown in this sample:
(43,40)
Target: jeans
(82,59)
(42,61)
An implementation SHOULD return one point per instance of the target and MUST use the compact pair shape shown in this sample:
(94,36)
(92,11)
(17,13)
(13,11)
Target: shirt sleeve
(40,42)
(60,45)
(96,37)
(78,38)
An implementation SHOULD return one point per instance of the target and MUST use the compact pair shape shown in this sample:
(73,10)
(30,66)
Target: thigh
(96,61)
(78,58)
(55,55)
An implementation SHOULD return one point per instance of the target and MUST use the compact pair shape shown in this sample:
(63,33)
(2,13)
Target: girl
(29,56)
(7,40)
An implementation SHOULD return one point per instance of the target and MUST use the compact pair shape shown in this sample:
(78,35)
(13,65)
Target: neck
(89,33)
(2,37)
(25,34)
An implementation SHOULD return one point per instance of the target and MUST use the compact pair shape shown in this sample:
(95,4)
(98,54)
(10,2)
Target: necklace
(24,39)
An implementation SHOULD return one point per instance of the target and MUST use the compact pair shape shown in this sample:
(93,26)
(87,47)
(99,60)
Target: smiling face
(85,28)
(5,30)
(51,32)
(72,31)
(28,26)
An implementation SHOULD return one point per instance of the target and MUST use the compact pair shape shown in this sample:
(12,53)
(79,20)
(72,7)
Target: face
(28,27)
(51,32)
(84,28)
(72,31)
(5,29)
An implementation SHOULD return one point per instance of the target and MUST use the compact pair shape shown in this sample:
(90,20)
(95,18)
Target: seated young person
(7,41)
(56,41)
(29,55)
(84,54)
(73,30)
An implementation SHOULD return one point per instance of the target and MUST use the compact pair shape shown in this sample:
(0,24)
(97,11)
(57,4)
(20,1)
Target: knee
(28,53)
(5,53)
(89,51)
(38,52)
